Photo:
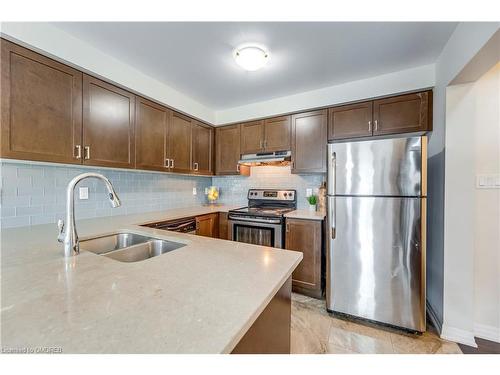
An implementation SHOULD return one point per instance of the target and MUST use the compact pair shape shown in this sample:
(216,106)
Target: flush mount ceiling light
(251,57)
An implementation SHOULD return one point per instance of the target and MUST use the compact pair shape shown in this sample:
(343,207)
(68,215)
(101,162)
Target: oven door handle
(264,221)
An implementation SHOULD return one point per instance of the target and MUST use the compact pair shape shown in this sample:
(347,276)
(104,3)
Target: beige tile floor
(315,331)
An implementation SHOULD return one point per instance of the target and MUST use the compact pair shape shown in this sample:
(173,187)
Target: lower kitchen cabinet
(208,225)
(306,236)
(223,226)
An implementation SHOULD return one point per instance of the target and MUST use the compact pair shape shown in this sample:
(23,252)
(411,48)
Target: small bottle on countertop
(322,197)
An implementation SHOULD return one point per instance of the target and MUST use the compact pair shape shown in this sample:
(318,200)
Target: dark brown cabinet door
(309,142)
(402,114)
(108,124)
(202,149)
(252,137)
(207,225)
(277,133)
(350,121)
(151,124)
(41,107)
(223,226)
(227,144)
(306,236)
(179,143)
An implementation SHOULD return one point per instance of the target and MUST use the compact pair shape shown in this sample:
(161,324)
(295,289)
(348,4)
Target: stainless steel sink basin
(129,247)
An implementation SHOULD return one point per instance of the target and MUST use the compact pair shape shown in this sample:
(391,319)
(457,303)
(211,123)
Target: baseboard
(486,332)
(458,335)
(434,318)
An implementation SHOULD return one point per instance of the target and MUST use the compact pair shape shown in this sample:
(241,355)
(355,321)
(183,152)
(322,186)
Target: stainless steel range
(263,221)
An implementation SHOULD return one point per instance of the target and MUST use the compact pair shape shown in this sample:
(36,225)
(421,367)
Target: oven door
(264,232)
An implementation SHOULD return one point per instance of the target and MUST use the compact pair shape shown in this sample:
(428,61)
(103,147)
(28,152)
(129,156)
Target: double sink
(129,247)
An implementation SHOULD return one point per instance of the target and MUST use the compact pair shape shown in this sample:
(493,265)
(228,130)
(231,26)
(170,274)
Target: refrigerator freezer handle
(332,166)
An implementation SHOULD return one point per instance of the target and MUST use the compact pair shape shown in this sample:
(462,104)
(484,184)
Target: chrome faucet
(67,230)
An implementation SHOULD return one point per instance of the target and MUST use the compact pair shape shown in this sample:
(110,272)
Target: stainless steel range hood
(277,158)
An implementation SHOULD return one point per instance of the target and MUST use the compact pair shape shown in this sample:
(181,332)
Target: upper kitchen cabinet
(151,126)
(41,101)
(309,142)
(108,124)
(227,150)
(202,148)
(267,135)
(403,114)
(179,143)
(350,121)
(252,137)
(395,115)
(277,134)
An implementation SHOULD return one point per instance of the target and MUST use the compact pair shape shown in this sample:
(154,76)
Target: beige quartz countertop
(201,298)
(306,214)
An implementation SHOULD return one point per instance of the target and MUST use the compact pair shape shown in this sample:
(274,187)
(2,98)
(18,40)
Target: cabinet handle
(171,163)
(86,150)
(78,152)
(167,163)
(195,166)
(369,126)
(261,144)
(265,143)
(238,168)
(376,126)
(287,227)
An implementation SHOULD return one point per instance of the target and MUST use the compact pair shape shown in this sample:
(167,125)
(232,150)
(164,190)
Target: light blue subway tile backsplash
(34,193)
(233,189)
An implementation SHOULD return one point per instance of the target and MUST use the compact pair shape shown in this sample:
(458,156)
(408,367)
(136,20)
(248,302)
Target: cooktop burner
(266,211)
(268,202)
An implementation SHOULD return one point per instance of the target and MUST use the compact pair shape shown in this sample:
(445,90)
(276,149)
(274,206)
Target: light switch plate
(488,181)
(83,192)
(194,191)
(309,192)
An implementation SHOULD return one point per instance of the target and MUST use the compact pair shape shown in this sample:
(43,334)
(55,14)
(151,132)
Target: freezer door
(384,167)
(376,259)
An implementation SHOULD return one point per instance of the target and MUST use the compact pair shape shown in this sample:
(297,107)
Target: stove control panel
(275,195)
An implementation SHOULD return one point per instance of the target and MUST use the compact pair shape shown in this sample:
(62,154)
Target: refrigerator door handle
(331,217)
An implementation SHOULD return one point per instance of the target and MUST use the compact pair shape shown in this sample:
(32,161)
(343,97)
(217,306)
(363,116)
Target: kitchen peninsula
(210,296)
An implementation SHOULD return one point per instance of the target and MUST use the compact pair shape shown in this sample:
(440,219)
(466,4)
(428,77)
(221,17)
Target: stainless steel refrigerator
(376,230)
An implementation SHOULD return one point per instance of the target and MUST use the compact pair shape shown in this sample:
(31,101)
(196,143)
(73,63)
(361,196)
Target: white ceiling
(196,58)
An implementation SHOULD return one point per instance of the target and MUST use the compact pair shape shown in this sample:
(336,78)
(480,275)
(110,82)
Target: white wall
(486,94)
(472,220)
(464,45)
(459,202)
(406,80)
(66,48)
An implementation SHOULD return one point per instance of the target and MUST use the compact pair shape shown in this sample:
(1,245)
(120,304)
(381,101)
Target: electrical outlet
(83,192)
(206,191)
(194,191)
(309,192)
